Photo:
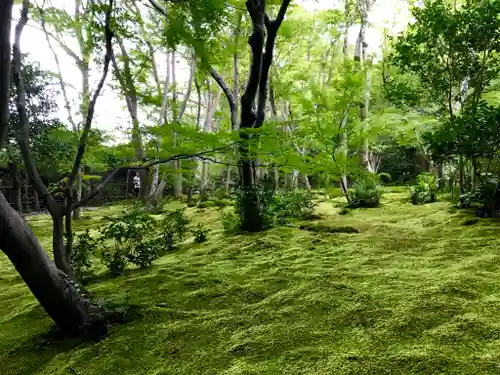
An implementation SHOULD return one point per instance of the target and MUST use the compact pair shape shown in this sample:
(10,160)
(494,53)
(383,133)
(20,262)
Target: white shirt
(137,182)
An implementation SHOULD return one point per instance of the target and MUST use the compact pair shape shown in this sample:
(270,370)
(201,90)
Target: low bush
(85,246)
(200,233)
(206,204)
(173,229)
(145,253)
(128,235)
(426,189)
(365,193)
(230,222)
(191,204)
(293,204)
(221,202)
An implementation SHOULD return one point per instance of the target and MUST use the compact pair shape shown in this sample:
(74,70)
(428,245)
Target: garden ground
(416,291)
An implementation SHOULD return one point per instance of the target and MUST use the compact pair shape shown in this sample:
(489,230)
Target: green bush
(206,204)
(174,228)
(230,222)
(127,234)
(84,247)
(200,233)
(426,189)
(365,193)
(222,202)
(115,260)
(145,253)
(292,204)
(191,204)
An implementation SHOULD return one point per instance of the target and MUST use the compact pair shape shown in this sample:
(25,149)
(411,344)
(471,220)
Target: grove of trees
(272,97)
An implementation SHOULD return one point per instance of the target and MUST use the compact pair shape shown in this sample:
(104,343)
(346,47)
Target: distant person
(137,184)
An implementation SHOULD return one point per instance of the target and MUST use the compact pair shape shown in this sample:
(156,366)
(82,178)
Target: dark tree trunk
(37,200)
(51,287)
(16,188)
(256,93)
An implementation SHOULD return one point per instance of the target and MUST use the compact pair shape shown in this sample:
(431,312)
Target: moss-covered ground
(416,291)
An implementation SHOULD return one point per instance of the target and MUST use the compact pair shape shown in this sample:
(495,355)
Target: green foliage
(145,252)
(487,195)
(231,222)
(130,236)
(206,204)
(296,204)
(200,233)
(221,202)
(426,189)
(173,229)
(84,247)
(366,192)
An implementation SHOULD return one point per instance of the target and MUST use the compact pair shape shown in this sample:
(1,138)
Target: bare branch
(91,108)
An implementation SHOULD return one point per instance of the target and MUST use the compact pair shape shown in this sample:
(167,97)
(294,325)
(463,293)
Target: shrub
(174,228)
(230,222)
(200,233)
(426,189)
(222,202)
(365,193)
(206,204)
(191,204)
(128,234)
(84,247)
(293,204)
(145,253)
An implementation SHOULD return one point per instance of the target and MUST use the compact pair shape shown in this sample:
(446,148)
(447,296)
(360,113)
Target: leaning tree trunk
(52,288)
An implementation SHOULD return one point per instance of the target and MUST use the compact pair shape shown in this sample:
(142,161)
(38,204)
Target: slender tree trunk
(361,57)
(37,200)
(307,184)
(343,143)
(26,193)
(16,194)
(461,174)
(212,104)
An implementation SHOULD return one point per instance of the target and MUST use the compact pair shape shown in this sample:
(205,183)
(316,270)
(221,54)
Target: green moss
(415,292)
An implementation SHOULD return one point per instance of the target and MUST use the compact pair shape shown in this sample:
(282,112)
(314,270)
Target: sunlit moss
(414,292)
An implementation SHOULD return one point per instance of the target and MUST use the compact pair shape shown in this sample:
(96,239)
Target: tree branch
(256,42)
(110,175)
(158,8)
(91,108)
(272,31)
(229,95)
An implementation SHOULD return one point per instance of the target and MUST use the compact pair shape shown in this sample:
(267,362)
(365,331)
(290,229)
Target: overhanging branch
(110,175)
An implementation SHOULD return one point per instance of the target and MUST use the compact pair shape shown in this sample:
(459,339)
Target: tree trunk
(461,171)
(26,194)
(78,188)
(343,143)
(307,184)
(51,287)
(16,188)
(36,199)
